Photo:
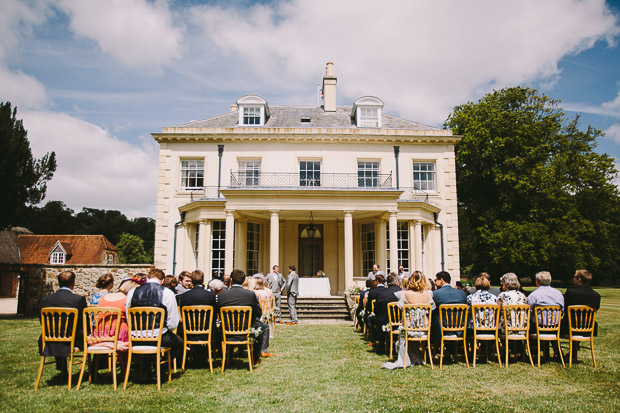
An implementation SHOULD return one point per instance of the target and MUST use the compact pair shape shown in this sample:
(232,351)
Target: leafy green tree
(131,250)
(23,179)
(533,193)
(53,218)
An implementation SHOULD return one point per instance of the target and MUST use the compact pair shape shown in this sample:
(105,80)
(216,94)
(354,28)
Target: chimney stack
(329,89)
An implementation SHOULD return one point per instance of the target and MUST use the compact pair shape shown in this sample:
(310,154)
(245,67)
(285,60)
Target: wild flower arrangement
(362,313)
(401,332)
(354,290)
(255,333)
(267,316)
(386,328)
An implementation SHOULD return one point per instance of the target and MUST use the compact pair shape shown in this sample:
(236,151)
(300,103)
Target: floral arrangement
(267,316)
(255,333)
(401,332)
(354,290)
(320,273)
(386,328)
(362,313)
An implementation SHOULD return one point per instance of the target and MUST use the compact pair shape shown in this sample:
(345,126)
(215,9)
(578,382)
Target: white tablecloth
(314,287)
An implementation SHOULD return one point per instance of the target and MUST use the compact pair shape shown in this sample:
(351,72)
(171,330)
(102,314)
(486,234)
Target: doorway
(310,251)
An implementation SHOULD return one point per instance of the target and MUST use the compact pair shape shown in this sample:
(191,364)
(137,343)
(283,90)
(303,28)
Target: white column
(241,252)
(229,243)
(393,243)
(204,238)
(188,261)
(417,242)
(348,249)
(274,241)
(380,245)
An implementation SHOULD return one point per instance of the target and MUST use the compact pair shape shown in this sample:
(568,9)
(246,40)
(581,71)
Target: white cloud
(422,58)
(95,169)
(613,132)
(137,32)
(22,90)
(611,108)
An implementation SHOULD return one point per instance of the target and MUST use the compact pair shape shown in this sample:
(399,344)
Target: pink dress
(123,332)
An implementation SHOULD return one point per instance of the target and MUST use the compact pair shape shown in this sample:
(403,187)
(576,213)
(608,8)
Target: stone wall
(41,280)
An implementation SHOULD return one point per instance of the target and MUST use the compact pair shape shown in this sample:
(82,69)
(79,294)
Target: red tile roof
(84,249)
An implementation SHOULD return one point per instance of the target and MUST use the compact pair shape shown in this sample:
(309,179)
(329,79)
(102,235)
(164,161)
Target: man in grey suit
(292,289)
(276,283)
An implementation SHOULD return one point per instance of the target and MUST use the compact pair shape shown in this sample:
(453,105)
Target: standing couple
(278,284)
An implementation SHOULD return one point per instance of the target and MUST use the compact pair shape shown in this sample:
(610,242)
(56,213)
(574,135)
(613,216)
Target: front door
(310,252)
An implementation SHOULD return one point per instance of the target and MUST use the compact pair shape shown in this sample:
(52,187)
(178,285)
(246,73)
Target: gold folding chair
(453,320)
(268,312)
(395,320)
(548,327)
(417,320)
(58,325)
(372,310)
(236,324)
(101,325)
(581,321)
(145,330)
(517,327)
(356,299)
(197,319)
(485,318)
(273,313)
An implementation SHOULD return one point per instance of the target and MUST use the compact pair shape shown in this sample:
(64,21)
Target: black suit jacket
(196,296)
(372,295)
(580,295)
(384,296)
(66,299)
(239,296)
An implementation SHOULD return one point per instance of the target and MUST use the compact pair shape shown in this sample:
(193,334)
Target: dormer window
(58,254)
(253,110)
(367,112)
(57,257)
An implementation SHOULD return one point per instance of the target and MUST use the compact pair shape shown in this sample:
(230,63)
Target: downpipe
(174,248)
(435,215)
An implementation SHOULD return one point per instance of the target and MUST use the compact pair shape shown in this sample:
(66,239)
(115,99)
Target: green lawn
(328,368)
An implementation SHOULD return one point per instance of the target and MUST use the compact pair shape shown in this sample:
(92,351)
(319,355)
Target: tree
(131,250)
(23,179)
(533,194)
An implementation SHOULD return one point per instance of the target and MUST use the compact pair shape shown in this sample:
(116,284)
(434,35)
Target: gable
(80,249)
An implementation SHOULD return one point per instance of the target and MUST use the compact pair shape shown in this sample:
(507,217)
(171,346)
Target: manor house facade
(331,189)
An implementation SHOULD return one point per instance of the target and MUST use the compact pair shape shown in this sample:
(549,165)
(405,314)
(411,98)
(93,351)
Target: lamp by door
(311,231)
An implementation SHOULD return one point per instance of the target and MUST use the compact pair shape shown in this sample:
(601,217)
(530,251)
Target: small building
(67,249)
(332,189)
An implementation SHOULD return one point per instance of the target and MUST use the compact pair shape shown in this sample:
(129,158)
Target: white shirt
(168,300)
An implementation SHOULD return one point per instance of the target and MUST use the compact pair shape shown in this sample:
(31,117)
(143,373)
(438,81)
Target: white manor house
(331,189)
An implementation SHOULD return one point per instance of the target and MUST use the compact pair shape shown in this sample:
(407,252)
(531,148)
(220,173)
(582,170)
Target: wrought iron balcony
(307,180)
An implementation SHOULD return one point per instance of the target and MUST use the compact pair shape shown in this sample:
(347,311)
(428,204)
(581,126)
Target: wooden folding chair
(517,327)
(453,320)
(486,323)
(581,321)
(267,306)
(58,325)
(417,320)
(101,325)
(395,320)
(197,320)
(548,327)
(236,323)
(356,299)
(145,330)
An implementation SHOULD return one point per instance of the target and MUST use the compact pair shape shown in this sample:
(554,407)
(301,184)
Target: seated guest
(384,297)
(171,283)
(492,290)
(261,290)
(481,296)
(360,306)
(371,319)
(249,283)
(580,294)
(445,294)
(460,286)
(197,296)
(417,292)
(236,295)
(227,281)
(119,300)
(544,294)
(216,286)
(376,270)
(154,294)
(185,282)
(65,298)
(105,283)
(402,273)
(510,295)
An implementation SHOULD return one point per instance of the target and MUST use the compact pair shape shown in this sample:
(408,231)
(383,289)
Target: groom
(292,288)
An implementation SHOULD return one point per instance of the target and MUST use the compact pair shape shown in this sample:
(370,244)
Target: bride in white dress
(418,292)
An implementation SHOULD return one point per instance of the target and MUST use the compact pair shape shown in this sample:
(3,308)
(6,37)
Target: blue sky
(92,79)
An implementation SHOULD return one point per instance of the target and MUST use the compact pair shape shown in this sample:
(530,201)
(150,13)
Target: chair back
(197,319)
(453,317)
(357,300)
(145,324)
(516,319)
(58,325)
(394,315)
(485,318)
(548,319)
(236,323)
(417,318)
(101,325)
(581,320)
(372,306)
(265,305)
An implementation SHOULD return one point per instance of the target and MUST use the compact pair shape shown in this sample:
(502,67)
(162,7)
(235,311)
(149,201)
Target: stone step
(323,308)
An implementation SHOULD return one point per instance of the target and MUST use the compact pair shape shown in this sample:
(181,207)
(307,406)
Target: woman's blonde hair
(417,282)
(259,284)
(127,285)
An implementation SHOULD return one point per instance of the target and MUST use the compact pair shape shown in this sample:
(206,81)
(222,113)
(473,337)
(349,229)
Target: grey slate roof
(290,117)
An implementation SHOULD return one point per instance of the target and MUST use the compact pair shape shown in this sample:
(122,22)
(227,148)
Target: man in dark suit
(580,294)
(385,296)
(196,296)
(445,294)
(236,295)
(371,317)
(65,298)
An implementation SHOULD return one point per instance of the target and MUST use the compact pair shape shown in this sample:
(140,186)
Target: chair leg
(529,349)
(499,359)
(538,351)
(592,350)
(570,353)
(475,350)
(169,371)
(250,351)
(406,353)
(223,356)
(84,359)
(70,370)
(441,356)
(113,370)
(158,369)
(560,351)
(127,370)
(507,342)
(465,351)
(36,384)
(430,356)
(210,357)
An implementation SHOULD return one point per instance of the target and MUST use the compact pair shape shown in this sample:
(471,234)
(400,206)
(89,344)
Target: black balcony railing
(313,179)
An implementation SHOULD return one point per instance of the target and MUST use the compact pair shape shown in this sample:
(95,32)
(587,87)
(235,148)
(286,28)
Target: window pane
(192,173)
(424,176)
(253,248)
(218,248)
(367,174)
(368,247)
(249,172)
(310,173)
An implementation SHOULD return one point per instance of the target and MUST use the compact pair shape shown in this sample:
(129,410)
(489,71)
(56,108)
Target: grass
(327,368)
